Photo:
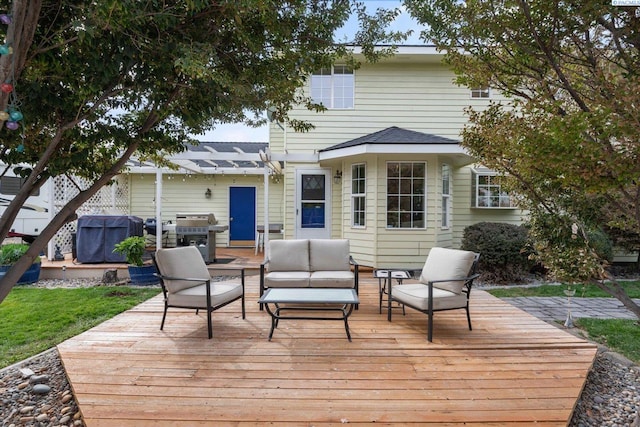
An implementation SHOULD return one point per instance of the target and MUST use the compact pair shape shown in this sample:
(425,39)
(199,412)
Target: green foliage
(36,319)
(504,257)
(133,249)
(99,81)
(562,245)
(10,253)
(567,132)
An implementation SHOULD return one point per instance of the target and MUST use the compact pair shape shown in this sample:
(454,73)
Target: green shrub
(133,250)
(504,253)
(10,253)
(601,243)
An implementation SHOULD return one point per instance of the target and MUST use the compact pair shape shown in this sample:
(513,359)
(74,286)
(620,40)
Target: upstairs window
(406,189)
(488,191)
(333,87)
(481,92)
(358,195)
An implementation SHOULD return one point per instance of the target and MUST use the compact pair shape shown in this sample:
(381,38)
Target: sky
(239,132)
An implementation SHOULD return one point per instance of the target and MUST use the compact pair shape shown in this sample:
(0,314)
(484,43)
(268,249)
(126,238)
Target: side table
(384,277)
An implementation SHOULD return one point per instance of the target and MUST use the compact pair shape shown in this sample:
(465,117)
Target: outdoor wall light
(337,177)
(207,193)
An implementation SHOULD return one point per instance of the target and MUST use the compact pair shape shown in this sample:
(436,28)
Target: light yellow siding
(186,194)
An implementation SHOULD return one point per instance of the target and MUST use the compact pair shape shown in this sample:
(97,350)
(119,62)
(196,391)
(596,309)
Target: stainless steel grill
(199,229)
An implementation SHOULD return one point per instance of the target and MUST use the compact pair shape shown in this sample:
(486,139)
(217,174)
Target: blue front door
(242,215)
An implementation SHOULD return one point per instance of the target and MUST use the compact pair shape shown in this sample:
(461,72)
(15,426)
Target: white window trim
(424,209)
(476,174)
(353,94)
(480,90)
(447,206)
(358,196)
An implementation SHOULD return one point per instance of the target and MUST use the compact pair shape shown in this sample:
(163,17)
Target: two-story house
(383,167)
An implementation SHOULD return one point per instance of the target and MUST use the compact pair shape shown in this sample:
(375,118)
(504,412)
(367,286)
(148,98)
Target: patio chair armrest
(190,279)
(356,278)
(226,271)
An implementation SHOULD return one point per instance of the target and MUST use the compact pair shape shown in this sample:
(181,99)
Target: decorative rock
(41,389)
(26,372)
(66,398)
(38,379)
(64,419)
(26,409)
(23,385)
(42,418)
(110,276)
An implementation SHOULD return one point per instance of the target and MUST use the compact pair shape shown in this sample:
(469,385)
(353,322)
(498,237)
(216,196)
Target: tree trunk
(67,214)
(614,289)
(24,21)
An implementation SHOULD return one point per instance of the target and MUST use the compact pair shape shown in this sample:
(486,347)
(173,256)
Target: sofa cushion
(184,262)
(332,279)
(417,295)
(195,297)
(287,279)
(443,264)
(329,254)
(289,255)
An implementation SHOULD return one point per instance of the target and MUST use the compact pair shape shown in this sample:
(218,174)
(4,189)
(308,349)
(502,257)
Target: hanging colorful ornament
(4,115)
(20,148)
(6,87)
(5,49)
(16,115)
(5,19)
(12,125)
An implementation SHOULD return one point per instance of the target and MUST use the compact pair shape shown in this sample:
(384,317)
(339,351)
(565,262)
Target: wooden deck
(512,369)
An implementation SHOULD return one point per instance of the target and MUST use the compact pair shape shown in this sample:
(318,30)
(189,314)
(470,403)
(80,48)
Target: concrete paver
(554,309)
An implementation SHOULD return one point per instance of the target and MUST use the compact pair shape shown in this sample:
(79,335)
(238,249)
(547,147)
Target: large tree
(96,81)
(568,135)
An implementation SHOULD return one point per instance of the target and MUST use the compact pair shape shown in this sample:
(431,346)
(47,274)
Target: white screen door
(313,207)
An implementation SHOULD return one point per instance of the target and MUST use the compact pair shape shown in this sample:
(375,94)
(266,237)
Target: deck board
(512,369)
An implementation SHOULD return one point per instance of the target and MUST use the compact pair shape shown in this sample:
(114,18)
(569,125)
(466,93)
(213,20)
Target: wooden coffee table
(310,300)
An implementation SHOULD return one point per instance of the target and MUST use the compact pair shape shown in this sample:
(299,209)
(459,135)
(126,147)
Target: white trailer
(34,214)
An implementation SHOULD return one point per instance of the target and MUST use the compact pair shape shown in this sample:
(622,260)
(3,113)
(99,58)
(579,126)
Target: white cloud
(235,132)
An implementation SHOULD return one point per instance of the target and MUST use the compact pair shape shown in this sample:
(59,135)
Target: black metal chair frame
(468,283)
(210,308)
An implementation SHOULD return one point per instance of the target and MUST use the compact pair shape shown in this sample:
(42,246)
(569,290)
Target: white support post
(265,234)
(159,208)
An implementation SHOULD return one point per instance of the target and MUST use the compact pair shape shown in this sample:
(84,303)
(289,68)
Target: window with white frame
(488,191)
(358,195)
(446,196)
(333,87)
(406,189)
(481,92)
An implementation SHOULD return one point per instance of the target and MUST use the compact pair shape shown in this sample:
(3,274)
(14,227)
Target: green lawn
(588,291)
(36,319)
(620,335)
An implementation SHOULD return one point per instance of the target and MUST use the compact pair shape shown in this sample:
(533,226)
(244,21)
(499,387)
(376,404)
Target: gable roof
(394,135)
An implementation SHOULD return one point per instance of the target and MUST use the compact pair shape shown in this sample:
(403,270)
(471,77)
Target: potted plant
(10,253)
(133,248)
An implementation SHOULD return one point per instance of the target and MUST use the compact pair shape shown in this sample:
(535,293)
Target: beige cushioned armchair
(187,283)
(445,284)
